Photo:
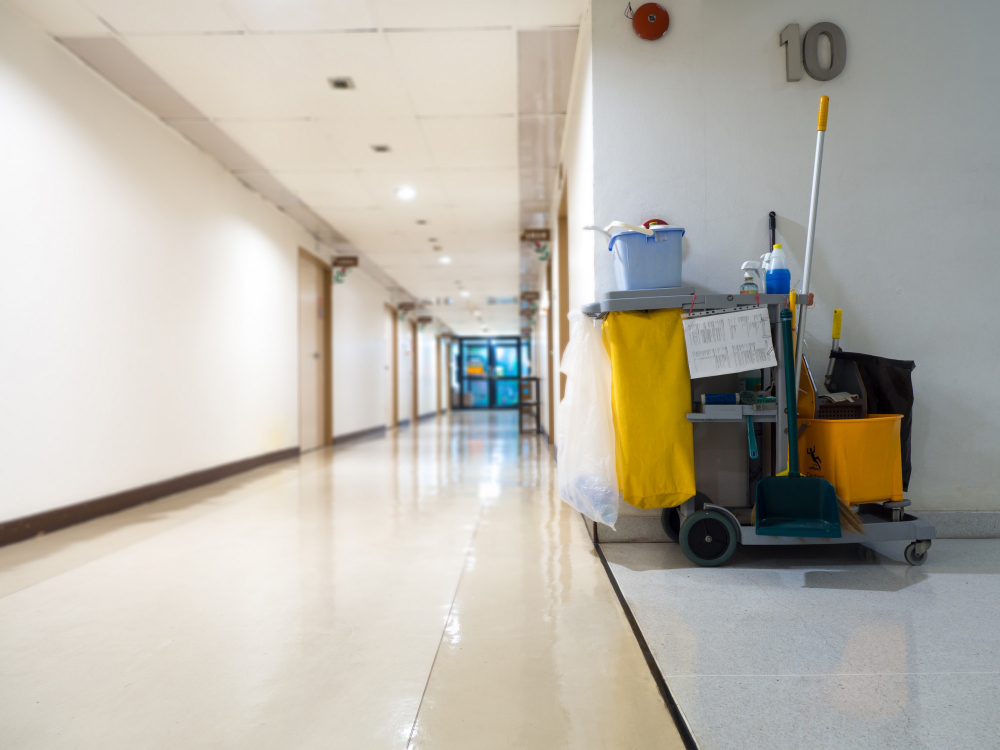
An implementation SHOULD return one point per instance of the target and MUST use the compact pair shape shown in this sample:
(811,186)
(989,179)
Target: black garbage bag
(890,391)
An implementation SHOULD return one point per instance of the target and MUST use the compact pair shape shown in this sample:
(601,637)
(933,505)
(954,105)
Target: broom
(849,520)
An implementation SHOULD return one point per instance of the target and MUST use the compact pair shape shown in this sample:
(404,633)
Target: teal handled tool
(795,505)
(751,438)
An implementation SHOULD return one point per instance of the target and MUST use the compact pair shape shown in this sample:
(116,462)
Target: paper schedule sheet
(730,342)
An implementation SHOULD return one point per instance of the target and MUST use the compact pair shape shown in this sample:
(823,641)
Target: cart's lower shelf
(733,413)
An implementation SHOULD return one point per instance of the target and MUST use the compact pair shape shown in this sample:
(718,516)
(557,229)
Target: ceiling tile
(550,13)
(225,76)
(497,217)
(545,69)
(62,17)
(443,14)
(342,189)
(383,185)
(472,141)
(303,15)
(166,16)
(457,73)
(289,145)
(355,136)
(441,223)
(481,186)
(306,62)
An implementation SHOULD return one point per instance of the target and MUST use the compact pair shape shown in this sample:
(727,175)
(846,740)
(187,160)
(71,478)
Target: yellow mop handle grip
(792,299)
(824,106)
(837,315)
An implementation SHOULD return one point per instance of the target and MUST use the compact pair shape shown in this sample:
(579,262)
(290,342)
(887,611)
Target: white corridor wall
(701,129)
(147,299)
(359,354)
(427,372)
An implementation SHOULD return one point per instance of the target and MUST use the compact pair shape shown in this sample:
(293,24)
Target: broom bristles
(849,520)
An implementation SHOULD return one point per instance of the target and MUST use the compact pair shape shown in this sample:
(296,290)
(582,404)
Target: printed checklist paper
(728,343)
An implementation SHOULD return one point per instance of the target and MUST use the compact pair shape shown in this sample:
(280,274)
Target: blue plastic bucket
(647,262)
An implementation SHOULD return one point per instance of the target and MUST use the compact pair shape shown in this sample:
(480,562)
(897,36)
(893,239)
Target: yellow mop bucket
(859,457)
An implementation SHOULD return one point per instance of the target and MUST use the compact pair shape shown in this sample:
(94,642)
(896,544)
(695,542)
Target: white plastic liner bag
(586,432)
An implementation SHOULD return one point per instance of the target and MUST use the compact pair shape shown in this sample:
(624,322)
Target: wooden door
(314,359)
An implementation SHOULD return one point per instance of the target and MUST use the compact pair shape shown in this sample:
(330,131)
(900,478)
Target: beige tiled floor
(426,589)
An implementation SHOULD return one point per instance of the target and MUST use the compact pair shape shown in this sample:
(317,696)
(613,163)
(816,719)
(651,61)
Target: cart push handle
(824,107)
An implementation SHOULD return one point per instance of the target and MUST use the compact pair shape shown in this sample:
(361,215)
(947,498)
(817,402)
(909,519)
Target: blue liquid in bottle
(778,281)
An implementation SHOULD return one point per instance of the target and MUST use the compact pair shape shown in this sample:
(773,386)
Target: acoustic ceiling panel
(472,142)
(62,17)
(287,144)
(464,73)
(303,15)
(167,16)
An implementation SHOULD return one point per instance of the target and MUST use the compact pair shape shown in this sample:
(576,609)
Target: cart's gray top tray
(662,299)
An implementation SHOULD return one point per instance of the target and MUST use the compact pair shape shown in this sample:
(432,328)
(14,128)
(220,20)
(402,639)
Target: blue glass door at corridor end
(486,373)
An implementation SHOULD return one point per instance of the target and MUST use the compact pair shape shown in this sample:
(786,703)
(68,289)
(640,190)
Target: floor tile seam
(169,527)
(674,708)
(444,630)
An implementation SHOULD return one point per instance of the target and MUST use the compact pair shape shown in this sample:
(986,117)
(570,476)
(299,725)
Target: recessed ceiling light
(421,221)
(444,260)
(381,148)
(341,83)
(406,193)
(437,248)
(432,239)
(465,292)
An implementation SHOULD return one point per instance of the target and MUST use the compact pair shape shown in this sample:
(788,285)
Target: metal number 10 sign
(809,47)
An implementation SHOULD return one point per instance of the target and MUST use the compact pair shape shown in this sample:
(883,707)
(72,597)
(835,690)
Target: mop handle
(824,106)
(792,417)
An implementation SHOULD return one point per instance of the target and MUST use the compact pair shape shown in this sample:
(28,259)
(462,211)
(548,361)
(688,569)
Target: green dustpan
(795,505)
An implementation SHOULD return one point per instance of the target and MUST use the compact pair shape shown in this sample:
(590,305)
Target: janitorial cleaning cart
(822,468)
(709,529)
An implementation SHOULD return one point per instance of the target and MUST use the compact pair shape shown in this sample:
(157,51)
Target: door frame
(438,401)
(491,342)
(326,348)
(415,360)
(550,355)
(393,344)
(563,251)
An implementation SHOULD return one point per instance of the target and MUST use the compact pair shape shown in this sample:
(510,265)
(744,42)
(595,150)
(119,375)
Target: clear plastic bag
(586,439)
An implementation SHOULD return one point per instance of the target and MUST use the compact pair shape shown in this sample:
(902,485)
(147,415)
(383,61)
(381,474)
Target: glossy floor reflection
(788,648)
(425,589)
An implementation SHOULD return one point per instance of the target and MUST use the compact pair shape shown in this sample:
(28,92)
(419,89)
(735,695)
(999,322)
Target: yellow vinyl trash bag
(650,398)
(859,457)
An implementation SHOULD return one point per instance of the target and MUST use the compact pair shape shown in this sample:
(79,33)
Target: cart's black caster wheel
(708,538)
(670,518)
(911,555)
